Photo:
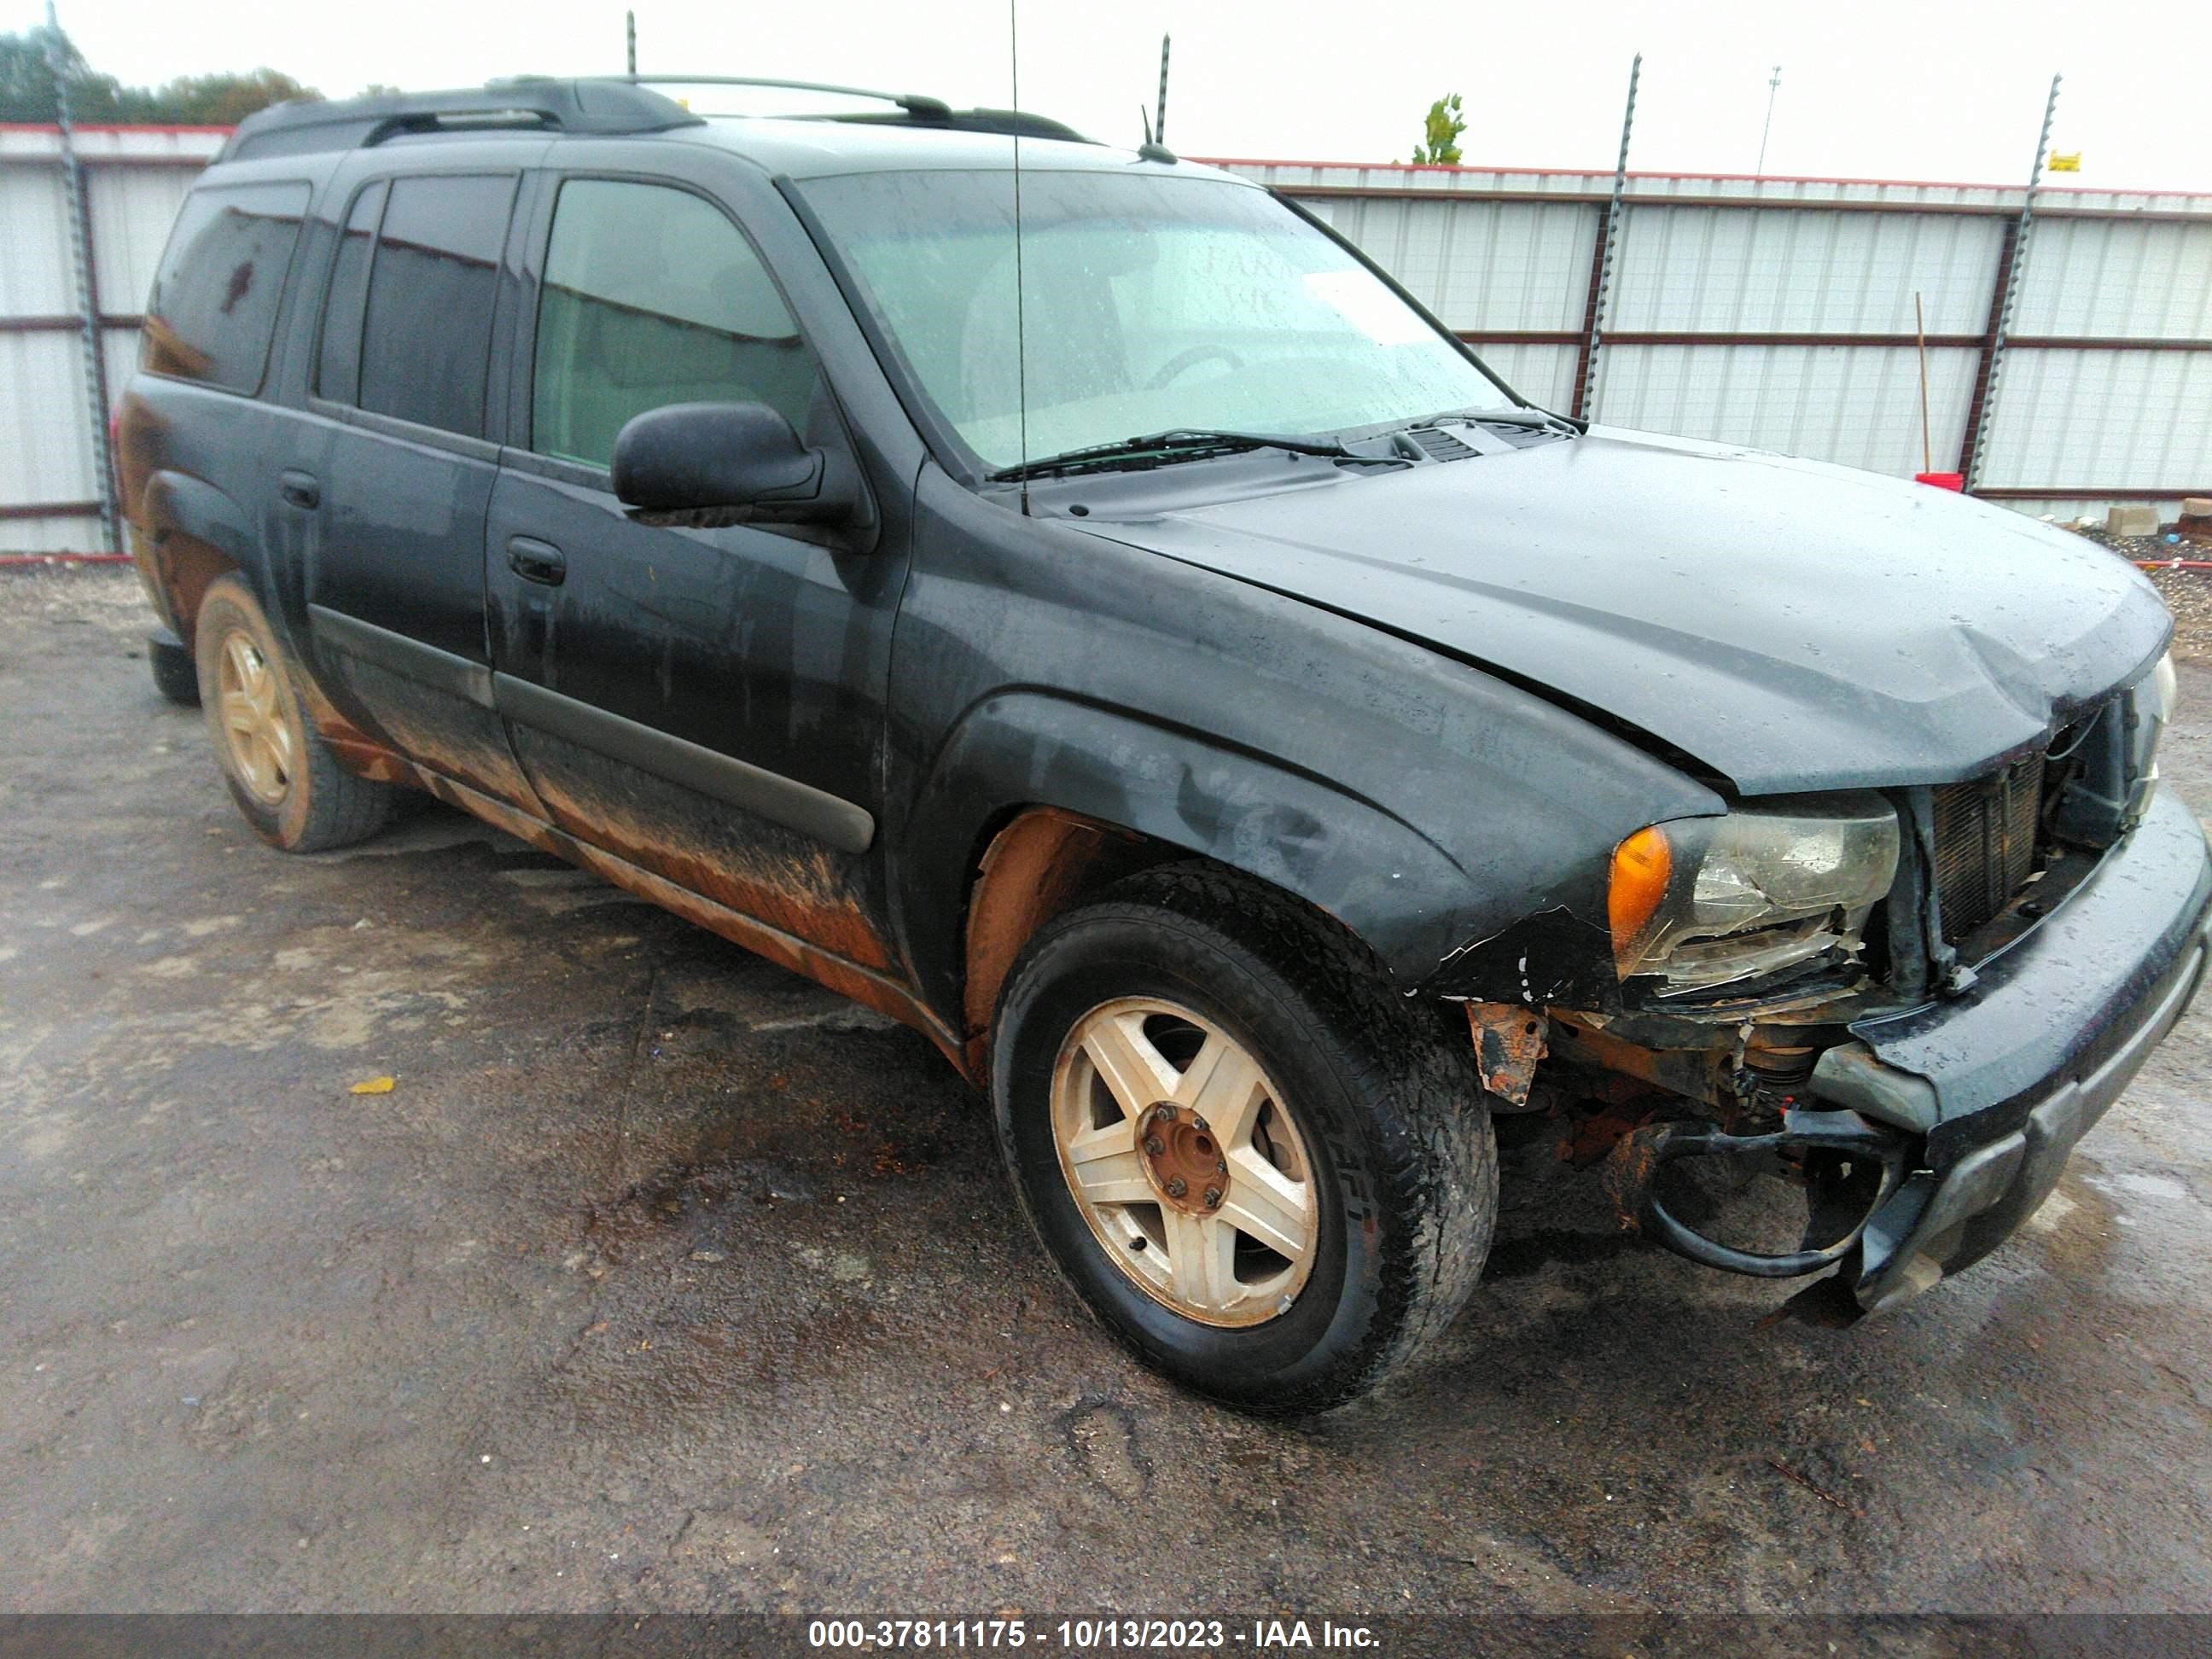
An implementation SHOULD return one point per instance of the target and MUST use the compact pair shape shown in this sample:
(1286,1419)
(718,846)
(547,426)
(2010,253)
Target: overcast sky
(1938,89)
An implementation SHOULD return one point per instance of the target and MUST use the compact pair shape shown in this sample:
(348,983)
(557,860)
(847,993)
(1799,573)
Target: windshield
(1152,305)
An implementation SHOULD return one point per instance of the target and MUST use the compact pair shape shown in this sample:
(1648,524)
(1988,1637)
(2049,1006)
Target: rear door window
(426,343)
(652,297)
(213,307)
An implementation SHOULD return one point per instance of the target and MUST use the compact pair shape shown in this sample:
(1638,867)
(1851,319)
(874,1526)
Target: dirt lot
(662,1281)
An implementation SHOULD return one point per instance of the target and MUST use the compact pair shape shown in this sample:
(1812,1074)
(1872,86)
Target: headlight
(2156,695)
(1704,901)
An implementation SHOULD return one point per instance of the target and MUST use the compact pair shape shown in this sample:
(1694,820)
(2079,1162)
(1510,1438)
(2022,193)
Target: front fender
(1346,855)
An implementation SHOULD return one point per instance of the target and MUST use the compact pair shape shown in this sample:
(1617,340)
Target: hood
(1790,625)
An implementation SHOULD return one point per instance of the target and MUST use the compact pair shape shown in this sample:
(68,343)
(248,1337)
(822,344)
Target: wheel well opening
(1041,863)
(190,566)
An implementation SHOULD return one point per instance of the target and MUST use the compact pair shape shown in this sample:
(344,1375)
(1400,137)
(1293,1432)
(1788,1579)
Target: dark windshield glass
(1150,303)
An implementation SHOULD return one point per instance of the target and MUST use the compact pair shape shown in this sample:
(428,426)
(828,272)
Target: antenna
(1021,331)
(630,19)
(1158,134)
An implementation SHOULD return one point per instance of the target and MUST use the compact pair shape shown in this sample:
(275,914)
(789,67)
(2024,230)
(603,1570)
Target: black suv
(1071,601)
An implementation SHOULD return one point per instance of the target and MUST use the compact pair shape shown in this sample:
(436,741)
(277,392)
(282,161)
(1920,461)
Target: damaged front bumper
(1927,1136)
(2004,1078)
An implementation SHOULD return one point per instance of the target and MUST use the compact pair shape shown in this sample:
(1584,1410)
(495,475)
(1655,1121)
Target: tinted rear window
(337,362)
(214,307)
(426,349)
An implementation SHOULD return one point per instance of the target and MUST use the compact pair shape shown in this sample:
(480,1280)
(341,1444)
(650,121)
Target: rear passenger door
(704,704)
(404,368)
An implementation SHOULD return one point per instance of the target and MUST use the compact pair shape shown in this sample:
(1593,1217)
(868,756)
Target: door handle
(300,489)
(537,561)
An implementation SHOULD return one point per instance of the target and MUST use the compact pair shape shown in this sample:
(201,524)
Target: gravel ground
(2187,593)
(663,1281)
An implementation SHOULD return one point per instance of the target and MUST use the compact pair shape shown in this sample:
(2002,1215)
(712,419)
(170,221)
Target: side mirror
(689,456)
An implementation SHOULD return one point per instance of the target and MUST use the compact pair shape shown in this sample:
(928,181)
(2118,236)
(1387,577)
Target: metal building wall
(135,178)
(1770,312)
(1779,313)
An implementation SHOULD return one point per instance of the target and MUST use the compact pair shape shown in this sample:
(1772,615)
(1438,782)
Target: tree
(27,81)
(224,101)
(1439,142)
(27,88)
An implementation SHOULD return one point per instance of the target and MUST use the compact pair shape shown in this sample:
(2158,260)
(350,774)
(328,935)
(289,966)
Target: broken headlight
(1698,902)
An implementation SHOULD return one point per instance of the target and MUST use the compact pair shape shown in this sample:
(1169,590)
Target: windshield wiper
(1159,448)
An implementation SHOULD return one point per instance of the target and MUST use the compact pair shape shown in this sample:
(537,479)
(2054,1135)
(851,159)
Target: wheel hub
(1184,1160)
(252,718)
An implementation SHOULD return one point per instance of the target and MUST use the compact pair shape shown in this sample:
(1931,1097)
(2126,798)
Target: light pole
(1773,86)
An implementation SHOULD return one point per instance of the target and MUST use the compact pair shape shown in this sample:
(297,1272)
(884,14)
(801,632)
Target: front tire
(282,774)
(1264,1169)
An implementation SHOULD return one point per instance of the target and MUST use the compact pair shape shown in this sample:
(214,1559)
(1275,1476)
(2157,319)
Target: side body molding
(835,822)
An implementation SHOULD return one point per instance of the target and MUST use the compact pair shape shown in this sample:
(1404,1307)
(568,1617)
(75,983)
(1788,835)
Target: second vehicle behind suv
(1095,616)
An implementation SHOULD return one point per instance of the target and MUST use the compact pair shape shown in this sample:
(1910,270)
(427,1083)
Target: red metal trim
(1552,337)
(1719,178)
(41,324)
(16,560)
(1751,205)
(175,128)
(49,509)
(2113,342)
(1898,342)
(2013,493)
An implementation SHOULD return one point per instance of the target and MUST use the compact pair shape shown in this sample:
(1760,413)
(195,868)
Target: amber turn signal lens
(1641,865)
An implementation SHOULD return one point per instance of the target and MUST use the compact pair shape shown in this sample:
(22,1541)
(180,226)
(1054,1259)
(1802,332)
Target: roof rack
(530,103)
(913,103)
(913,108)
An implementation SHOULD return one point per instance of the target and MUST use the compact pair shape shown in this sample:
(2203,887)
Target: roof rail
(529,103)
(913,107)
(913,103)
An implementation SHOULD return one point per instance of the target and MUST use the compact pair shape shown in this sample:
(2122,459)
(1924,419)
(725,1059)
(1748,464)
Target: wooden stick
(1920,327)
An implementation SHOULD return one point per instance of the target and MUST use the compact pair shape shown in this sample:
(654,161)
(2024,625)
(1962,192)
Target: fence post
(87,289)
(1601,260)
(2012,255)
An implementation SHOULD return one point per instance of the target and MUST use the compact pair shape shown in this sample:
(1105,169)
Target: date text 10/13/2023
(1255,1636)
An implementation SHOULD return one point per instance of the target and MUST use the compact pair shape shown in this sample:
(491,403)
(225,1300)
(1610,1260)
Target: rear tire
(283,776)
(1357,1224)
(176,673)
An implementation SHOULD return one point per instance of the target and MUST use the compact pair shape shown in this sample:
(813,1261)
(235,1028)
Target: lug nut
(1213,1198)
(1152,1146)
(1221,1166)
(1177,1187)
(1199,1124)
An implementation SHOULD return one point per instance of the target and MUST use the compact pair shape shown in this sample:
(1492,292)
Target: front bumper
(2004,1078)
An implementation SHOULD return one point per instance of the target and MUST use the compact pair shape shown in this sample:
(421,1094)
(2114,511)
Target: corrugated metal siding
(2112,278)
(131,212)
(1495,253)
(134,179)
(1543,372)
(1514,266)
(1855,407)
(1745,271)
(2114,420)
(35,279)
(42,403)
(1735,259)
